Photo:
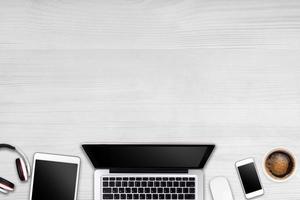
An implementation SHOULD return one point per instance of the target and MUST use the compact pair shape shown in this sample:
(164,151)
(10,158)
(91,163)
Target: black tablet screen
(54,180)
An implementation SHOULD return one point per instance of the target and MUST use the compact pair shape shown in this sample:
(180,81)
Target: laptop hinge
(145,170)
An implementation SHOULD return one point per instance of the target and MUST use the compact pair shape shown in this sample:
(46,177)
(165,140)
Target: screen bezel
(245,162)
(55,158)
(209,150)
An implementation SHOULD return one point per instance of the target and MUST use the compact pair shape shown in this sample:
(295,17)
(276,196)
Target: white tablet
(54,177)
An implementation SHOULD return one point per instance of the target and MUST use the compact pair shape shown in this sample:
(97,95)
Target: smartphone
(249,178)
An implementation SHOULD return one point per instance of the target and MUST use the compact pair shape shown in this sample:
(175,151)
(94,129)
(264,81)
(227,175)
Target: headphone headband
(19,151)
(8,146)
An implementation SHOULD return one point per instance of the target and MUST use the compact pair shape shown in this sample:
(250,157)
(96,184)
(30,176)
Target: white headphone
(23,169)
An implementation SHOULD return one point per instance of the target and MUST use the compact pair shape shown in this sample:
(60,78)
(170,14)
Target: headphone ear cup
(6,185)
(21,169)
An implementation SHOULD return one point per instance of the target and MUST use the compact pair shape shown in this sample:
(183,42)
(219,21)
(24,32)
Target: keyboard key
(165,178)
(118,178)
(185,178)
(174,196)
(166,190)
(136,196)
(108,196)
(150,184)
(185,190)
(168,196)
(105,178)
(161,196)
(169,184)
(156,183)
(134,190)
(189,196)
(153,190)
(144,184)
(116,196)
(178,178)
(172,179)
(118,184)
(111,184)
(138,178)
(148,196)
(182,184)
(179,190)
(158,178)
(121,190)
(192,190)
(129,196)
(192,178)
(159,190)
(172,190)
(141,190)
(180,196)
(145,178)
(106,190)
(176,184)
(131,178)
(155,196)
(190,184)
(131,184)
(163,184)
(124,184)
(105,184)
(152,179)
(123,196)
(147,190)
(125,178)
(137,184)
(142,196)
(112,178)
(115,190)
(128,190)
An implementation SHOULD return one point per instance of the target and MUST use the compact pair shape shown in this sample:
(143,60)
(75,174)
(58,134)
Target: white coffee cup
(279,164)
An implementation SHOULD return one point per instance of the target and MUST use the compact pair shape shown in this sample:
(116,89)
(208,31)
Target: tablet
(54,177)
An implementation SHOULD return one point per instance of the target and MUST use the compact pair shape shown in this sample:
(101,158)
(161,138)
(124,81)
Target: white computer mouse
(220,189)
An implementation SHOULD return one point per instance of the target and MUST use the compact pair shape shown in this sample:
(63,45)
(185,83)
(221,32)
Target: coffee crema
(279,164)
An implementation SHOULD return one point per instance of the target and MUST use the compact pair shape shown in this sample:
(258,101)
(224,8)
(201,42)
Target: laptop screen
(107,156)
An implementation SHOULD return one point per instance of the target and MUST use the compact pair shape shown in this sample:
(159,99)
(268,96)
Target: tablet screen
(54,180)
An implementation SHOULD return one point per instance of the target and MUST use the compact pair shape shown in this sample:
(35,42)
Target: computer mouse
(220,189)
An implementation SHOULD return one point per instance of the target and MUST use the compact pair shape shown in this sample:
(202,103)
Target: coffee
(279,164)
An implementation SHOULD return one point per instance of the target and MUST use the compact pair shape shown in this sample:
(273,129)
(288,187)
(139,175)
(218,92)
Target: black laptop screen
(148,156)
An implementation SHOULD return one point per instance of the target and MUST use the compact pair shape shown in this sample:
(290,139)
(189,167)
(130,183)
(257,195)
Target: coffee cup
(279,164)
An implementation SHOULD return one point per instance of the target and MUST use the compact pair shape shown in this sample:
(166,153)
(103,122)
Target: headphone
(23,169)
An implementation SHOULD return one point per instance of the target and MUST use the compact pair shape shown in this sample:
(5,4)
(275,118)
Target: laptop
(148,171)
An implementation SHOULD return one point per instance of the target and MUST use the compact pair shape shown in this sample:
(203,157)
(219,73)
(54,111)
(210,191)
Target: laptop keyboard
(118,187)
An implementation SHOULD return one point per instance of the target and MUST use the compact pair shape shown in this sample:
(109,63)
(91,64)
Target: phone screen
(249,178)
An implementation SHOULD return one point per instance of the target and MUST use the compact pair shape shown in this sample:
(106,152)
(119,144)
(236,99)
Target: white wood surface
(193,71)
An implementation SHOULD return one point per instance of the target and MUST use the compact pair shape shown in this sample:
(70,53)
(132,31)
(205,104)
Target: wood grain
(144,24)
(223,72)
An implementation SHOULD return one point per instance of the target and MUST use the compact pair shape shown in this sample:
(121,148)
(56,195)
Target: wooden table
(187,71)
